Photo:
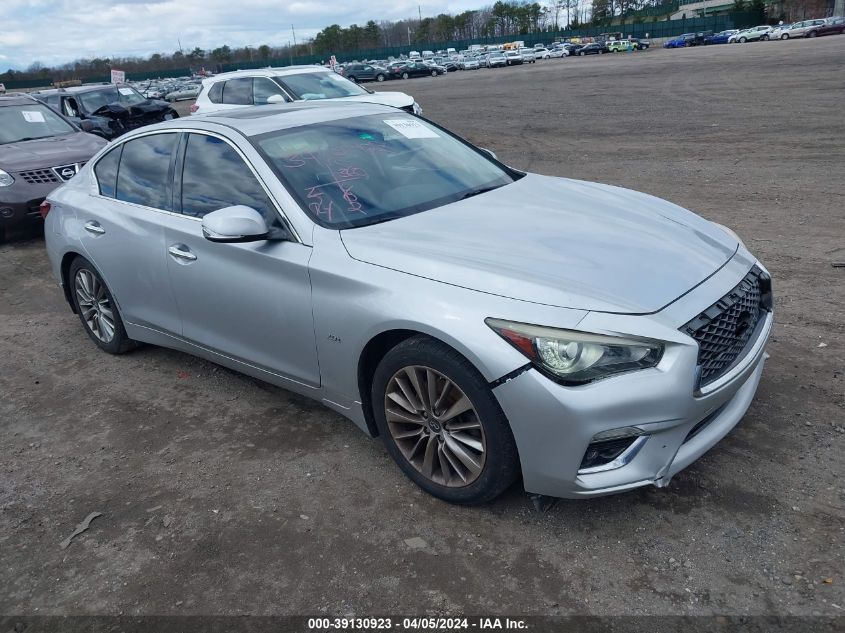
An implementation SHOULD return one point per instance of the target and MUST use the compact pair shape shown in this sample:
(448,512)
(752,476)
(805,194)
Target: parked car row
(491,57)
(764,32)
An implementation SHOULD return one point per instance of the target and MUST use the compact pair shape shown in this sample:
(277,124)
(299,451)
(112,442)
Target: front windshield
(320,85)
(30,121)
(95,99)
(363,170)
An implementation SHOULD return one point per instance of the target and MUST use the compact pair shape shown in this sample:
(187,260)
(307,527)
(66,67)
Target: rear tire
(742,40)
(380,77)
(785,36)
(812,34)
(405,75)
(469,457)
(97,309)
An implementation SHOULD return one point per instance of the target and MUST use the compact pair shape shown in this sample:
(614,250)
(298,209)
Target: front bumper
(19,203)
(553,425)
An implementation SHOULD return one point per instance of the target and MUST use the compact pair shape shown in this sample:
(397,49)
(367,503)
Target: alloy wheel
(435,426)
(94,305)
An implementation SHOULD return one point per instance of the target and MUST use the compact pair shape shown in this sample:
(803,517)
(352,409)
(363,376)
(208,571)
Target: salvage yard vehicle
(513,58)
(595,48)
(754,34)
(263,86)
(496,59)
(112,109)
(831,26)
(719,38)
(682,41)
(411,69)
(527,55)
(620,46)
(483,321)
(183,93)
(365,72)
(39,150)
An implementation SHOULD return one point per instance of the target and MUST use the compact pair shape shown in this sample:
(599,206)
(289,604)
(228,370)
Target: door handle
(181,252)
(94,228)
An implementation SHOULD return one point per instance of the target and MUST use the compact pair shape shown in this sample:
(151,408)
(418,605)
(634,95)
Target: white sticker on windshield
(125,91)
(33,116)
(410,128)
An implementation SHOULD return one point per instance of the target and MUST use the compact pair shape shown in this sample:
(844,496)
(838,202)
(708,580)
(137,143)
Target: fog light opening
(611,449)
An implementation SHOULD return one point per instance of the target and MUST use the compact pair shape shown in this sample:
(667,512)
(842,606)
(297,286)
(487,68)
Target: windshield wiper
(475,192)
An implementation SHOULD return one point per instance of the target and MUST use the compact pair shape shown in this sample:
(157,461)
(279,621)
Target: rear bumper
(553,425)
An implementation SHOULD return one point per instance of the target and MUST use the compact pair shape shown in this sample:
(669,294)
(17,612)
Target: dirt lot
(222,495)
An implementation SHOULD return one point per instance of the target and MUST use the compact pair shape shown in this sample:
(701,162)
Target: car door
(122,232)
(248,301)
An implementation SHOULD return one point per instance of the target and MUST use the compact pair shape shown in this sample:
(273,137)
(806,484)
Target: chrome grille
(724,329)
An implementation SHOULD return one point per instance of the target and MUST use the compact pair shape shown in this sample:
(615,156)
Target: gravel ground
(221,495)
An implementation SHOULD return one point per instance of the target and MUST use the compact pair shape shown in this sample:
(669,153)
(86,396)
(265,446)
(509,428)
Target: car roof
(255,120)
(267,72)
(18,99)
(80,89)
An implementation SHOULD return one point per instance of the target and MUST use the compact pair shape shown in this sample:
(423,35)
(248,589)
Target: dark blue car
(687,39)
(719,38)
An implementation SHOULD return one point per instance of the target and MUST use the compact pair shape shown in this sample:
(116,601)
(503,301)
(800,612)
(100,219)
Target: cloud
(60,31)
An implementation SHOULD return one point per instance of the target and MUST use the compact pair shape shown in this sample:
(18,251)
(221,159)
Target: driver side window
(214,176)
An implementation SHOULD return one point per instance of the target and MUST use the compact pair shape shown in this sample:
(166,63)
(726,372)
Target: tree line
(504,18)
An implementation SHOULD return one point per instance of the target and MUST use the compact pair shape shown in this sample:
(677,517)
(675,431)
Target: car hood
(554,241)
(49,152)
(395,99)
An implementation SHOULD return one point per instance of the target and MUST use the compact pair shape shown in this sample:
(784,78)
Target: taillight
(194,108)
(44,209)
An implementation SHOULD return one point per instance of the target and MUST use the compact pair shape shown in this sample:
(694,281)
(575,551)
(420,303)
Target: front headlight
(417,109)
(576,358)
(6,179)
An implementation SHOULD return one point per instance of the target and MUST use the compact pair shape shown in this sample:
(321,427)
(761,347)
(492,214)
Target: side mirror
(275,99)
(234,224)
(490,152)
(86,125)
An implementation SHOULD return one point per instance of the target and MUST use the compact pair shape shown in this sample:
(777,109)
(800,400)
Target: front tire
(785,36)
(813,34)
(405,75)
(380,77)
(742,40)
(441,424)
(97,309)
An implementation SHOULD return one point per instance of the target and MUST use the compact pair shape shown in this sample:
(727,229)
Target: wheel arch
(64,270)
(380,344)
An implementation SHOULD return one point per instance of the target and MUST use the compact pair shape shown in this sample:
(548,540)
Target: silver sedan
(485,322)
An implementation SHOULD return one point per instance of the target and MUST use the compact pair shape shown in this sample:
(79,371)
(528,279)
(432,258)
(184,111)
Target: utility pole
(409,36)
(294,34)
(839,8)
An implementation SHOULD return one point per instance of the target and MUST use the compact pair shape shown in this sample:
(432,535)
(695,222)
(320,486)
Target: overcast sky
(57,31)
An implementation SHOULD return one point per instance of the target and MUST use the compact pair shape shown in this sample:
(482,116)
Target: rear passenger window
(142,177)
(238,91)
(215,95)
(106,172)
(214,176)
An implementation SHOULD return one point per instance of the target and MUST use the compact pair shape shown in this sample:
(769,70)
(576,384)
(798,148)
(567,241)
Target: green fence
(658,29)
